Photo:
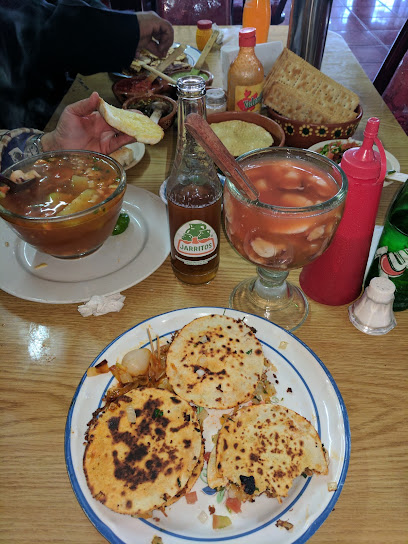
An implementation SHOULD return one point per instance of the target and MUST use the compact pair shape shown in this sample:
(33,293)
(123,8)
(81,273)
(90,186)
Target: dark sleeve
(85,38)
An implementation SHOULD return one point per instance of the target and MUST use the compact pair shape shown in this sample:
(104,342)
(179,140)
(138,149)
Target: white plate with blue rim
(302,384)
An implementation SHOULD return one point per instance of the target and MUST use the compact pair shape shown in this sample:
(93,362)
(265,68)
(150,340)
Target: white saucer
(123,260)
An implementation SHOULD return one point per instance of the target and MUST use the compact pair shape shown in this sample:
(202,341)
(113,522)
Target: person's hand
(156,34)
(81,126)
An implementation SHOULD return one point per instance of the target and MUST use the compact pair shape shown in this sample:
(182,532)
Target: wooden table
(45,350)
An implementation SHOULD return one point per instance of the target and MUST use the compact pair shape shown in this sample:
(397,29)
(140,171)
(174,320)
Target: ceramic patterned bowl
(180,72)
(127,88)
(146,104)
(270,125)
(302,134)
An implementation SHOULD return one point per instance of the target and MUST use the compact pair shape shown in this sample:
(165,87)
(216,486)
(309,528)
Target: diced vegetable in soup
(66,185)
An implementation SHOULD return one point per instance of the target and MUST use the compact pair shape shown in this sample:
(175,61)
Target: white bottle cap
(372,313)
(381,290)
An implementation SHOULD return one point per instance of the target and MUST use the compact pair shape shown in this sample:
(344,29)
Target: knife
(167,61)
(205,51)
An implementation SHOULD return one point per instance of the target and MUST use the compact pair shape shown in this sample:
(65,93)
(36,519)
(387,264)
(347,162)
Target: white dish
(123,260)
(138,150)
(314,395)
(192,56)
(392,162)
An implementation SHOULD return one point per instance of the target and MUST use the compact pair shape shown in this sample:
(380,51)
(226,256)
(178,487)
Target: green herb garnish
(249,352)
(157,413)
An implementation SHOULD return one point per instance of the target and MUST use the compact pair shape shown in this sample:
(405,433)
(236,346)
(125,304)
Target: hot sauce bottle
(245,76)
(194,194)
(203,33)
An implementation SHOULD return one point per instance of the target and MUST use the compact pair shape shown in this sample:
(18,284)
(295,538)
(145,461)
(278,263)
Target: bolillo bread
(129,155)
(133,123)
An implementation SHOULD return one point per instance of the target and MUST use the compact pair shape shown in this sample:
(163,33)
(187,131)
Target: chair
(391,80)
(392,60)
(132,5)
(188,12)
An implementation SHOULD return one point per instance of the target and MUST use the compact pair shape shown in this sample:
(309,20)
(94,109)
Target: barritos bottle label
(248,97)
(195,239)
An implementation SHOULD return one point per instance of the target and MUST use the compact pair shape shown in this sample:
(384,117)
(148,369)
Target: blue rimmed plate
(303,384)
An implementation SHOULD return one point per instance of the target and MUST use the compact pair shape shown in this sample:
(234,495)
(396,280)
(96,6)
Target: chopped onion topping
(200,372)
(130,413)
(202,516)
(332,486)
(203,339)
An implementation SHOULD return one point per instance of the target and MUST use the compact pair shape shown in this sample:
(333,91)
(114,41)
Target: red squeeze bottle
(336,277)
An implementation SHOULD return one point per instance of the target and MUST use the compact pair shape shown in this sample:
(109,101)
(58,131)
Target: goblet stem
(269,295)
(271,285)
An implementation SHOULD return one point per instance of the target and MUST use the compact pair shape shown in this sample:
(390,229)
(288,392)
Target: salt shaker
(372,313)
(216,100)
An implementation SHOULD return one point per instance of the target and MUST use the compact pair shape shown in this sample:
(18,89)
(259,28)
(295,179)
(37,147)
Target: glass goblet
(293,220)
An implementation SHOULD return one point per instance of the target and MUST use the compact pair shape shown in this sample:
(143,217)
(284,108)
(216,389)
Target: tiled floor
(368,26)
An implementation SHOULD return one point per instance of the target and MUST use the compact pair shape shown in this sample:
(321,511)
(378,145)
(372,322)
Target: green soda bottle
(391,257)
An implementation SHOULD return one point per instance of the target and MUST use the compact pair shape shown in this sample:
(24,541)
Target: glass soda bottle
(245,76)
(257,14)
(194,195)
(391,257)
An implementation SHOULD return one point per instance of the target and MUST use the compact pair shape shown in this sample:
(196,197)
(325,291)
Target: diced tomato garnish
(233,504)
(191,498)
(207,456)
(220,522)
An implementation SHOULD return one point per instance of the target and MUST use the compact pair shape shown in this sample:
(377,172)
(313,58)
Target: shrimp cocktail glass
(301,197)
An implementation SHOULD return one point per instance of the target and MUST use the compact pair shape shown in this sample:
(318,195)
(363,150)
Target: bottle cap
(216,95)
(372,313)
(363,162)
(381,290)
(190,86)
(204,24)
(247,37)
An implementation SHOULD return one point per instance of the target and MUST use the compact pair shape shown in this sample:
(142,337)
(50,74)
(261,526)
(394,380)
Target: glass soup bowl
(293,220)
(72,207)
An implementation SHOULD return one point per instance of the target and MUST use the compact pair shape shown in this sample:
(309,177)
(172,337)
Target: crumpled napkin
(100,305)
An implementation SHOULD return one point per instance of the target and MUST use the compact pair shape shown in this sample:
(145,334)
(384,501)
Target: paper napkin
(100,305)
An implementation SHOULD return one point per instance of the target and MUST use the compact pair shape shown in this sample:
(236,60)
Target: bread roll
(133,123)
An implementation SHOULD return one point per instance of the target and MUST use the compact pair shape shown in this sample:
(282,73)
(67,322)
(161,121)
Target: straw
(206,137)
